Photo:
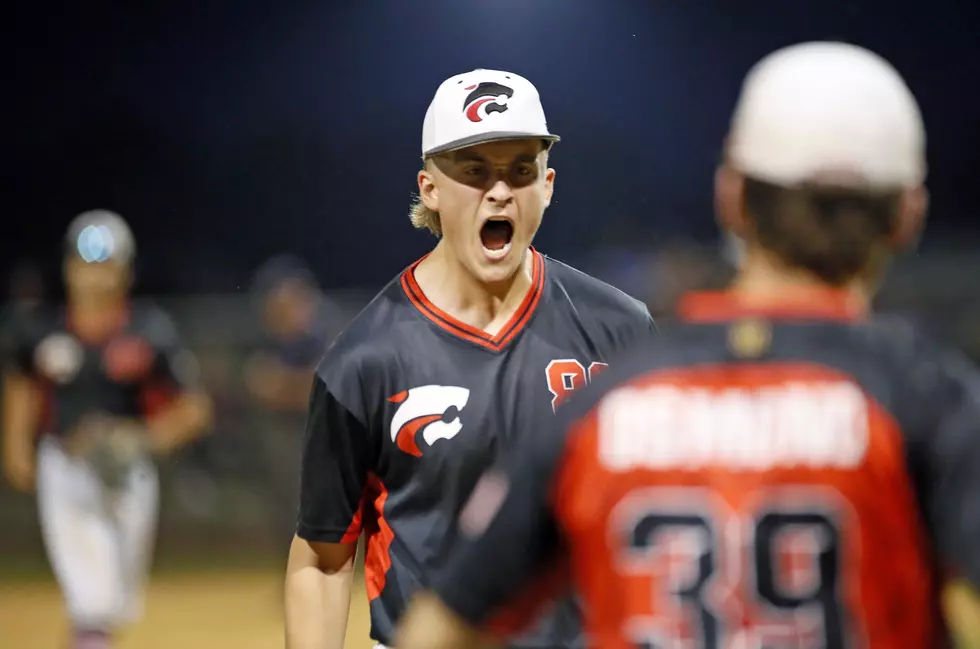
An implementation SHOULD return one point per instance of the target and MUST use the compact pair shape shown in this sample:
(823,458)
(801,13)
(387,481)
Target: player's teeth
(498,254)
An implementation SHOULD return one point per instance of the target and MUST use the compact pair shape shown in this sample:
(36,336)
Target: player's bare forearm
(430,624)
(21,408)
(962,606)
(183,420)
(318,586)
(21,415)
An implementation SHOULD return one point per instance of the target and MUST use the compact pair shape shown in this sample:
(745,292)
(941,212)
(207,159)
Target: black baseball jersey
(131,373)
(757,478)
(409,406)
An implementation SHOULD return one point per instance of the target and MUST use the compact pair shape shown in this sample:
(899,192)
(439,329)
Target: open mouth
(496,234)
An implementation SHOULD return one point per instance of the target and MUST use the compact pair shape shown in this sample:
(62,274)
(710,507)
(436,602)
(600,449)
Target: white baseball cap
(483,106)
(828,111)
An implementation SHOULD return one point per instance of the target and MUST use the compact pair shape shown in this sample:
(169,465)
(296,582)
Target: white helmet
(100,235)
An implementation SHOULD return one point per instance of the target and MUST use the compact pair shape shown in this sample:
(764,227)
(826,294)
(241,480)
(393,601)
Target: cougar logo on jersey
(485,98)
(434,408)
(59,357)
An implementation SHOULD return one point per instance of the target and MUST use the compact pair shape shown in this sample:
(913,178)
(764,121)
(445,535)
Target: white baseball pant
(99,544)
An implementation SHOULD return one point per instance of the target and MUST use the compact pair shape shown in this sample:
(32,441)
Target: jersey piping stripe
(467,332)
(380,536)
(155,397)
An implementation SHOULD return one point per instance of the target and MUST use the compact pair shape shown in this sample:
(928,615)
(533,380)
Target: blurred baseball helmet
(100,235)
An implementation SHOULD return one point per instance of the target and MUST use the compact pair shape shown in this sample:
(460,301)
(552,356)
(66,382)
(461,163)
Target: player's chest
(64,360)
(467,401)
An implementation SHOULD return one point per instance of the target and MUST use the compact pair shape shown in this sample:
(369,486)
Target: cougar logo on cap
(490,96)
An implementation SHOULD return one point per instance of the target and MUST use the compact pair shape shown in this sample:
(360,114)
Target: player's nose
(500,193)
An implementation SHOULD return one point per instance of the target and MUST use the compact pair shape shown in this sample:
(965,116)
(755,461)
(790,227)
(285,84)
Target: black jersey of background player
(130,373)
(788,478)
(410,405)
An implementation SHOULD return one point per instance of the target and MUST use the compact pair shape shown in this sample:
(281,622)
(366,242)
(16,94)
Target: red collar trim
(468,332)
(718,306)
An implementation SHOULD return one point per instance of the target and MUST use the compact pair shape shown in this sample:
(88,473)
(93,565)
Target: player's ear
(549,185)
(730,200)
(428,191)
(912,209)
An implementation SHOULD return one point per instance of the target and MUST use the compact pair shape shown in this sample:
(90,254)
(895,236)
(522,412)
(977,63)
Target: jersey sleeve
(645,325)
(336,459)
(636,326)
(509,523)
(18,339)
(951,489)
(175,367)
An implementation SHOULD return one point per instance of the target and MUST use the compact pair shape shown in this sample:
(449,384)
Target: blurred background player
(296,323)
(93,391)
(482,335)
(781,470)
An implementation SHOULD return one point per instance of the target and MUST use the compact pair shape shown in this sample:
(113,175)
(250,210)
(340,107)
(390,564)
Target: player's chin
(498,265)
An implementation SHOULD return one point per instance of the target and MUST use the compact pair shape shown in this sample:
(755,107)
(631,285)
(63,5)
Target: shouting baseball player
(481,336)
(93,391)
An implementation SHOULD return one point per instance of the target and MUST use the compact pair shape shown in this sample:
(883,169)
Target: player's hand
(18,468)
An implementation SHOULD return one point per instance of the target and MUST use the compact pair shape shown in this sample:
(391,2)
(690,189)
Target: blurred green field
(187,609)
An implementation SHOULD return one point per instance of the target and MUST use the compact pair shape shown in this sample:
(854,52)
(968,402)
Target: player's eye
(524,174)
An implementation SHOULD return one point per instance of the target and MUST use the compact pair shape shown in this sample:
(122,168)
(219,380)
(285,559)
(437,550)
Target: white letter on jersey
(662,427)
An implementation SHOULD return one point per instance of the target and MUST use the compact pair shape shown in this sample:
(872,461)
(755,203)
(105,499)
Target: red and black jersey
(410,406)
(756,477)
(133,372)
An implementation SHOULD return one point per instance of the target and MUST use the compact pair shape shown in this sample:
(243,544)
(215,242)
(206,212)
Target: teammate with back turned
(92,392)
(781,470)
(481,338)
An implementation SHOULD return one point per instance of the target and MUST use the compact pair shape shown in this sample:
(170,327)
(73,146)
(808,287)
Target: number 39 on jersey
(566,375)
(767,577)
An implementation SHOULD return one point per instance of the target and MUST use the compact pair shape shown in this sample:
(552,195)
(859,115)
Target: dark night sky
(232,131)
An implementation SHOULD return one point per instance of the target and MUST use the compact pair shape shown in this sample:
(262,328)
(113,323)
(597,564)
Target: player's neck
(450,286)
(96,320)
(763,278)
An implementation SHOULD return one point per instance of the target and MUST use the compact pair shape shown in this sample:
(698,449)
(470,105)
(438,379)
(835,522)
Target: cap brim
(482,138)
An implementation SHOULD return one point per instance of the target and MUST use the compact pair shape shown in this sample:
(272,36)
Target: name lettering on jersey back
(801,425)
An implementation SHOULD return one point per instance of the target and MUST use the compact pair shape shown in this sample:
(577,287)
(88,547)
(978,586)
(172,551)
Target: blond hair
(425,219)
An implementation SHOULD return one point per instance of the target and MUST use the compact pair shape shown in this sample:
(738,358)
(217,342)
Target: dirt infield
(191,611)
(232,608)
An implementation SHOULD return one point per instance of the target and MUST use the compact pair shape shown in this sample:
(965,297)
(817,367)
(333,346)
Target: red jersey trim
(825,304)
(380,536)
(468,332)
